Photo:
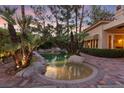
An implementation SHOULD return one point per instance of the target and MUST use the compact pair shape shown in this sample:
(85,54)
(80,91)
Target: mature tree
(99,13)
(65,18)
(21,51)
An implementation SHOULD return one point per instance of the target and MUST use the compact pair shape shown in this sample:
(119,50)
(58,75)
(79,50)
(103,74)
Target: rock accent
(76,59)
(36,67)
(55,50)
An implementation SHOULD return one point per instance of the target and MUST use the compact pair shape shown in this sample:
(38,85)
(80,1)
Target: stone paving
(7,80)
(111,74)
(113,70)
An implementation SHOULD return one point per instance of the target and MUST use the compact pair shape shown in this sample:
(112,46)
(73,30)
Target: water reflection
(68,71)
(60,69)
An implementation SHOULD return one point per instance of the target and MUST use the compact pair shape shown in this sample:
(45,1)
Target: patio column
(112,41)
(94,43)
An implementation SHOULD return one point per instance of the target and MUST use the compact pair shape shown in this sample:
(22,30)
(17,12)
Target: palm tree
(7,47)
(30,43)
(7,14)
(24,24)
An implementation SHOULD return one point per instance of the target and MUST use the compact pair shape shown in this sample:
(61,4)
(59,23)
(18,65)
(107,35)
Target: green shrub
(46,45)
(4,31)
(108,53)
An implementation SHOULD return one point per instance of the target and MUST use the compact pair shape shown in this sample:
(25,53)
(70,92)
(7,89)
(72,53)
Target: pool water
(58,68)
(55,57)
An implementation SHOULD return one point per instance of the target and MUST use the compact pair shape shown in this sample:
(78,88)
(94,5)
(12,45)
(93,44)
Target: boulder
(76,59)
(28,72)
(39,67)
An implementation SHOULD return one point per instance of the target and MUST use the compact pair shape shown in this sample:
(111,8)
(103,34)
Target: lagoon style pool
(59,69)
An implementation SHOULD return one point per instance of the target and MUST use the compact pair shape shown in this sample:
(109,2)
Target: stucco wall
(3,23)
(102,39)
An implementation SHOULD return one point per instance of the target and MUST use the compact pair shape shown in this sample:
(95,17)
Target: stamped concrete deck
(111,74)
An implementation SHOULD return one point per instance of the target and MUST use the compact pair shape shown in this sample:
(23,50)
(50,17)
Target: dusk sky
(29,10)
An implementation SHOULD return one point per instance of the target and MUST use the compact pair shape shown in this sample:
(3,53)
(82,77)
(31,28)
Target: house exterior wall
(3,23)
(104,39)
(102,36)
(105,30)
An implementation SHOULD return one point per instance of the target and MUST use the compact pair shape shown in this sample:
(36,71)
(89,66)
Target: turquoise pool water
(55,57)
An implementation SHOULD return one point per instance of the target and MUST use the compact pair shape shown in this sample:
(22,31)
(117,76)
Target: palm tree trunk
(23,11)
(12,33)
(26,59)
(17,61)
(23,18)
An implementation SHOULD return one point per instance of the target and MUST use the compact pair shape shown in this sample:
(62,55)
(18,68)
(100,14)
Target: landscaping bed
(108,53)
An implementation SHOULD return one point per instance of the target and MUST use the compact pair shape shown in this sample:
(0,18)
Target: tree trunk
(26,59)
(81,20)
(76,19)
(17,61)
(23,18)
(68,25)
(23,11)
(67,19)
(57,25)
(12,33)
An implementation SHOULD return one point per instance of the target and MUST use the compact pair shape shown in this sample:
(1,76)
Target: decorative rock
(20,73)
(28,72)
(55,50)
(41,51)
(39,67)
(76,59)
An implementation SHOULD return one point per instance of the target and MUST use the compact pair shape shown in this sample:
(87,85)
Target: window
(5,26)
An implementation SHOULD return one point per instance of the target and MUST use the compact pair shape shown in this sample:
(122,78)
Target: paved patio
(111,74)
(113,70)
